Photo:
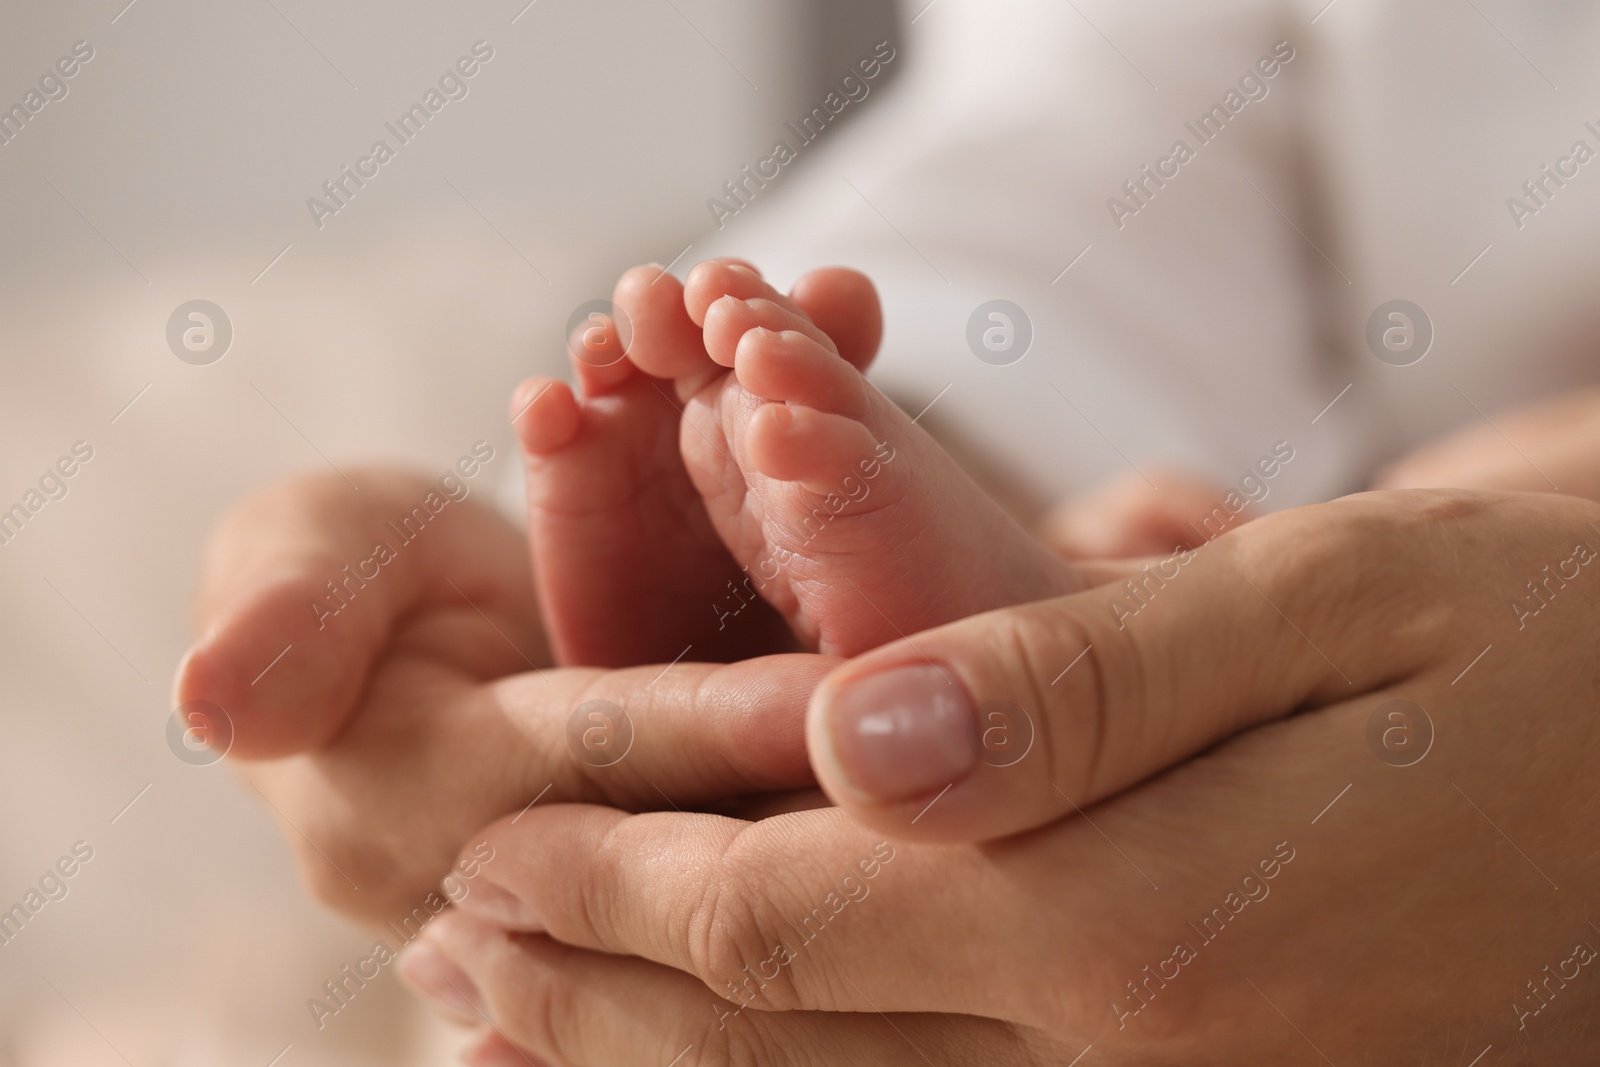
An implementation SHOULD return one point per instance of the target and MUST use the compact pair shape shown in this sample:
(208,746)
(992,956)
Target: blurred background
(1229,314)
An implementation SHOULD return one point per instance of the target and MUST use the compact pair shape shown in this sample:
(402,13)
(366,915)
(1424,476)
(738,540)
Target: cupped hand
(1380,877)
(384,735)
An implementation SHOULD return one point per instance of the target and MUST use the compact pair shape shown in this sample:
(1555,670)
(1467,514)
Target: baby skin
(734,469)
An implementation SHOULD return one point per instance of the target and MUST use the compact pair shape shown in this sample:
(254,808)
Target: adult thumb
(291,630)
(1009,720)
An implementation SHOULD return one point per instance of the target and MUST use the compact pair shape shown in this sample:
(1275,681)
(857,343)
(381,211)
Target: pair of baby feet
(725,481)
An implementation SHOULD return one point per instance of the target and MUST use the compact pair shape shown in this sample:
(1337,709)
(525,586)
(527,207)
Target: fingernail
(500,906)
(435,976)
(903,733)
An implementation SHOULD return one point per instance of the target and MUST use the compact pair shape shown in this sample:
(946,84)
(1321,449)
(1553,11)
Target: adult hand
(386,734)
(1364,882)
(1551,446)
(1131,516)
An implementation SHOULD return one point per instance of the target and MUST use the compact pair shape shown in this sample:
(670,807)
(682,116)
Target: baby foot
(626,561)
(846,516)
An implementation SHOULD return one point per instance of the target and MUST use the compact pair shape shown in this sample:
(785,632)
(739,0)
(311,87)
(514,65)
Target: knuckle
(536,1008)
(1299,560)
(1072,702)
(323,882)
(333,867)
(757,1041)
(597,920)
(732,1037)
(737,940)
(547,1015)
(352,870)
(322,851)
(557,1021)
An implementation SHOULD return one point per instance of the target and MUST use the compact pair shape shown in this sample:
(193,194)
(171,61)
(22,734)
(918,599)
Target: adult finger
(1555,445)
(661,736)
(305,583)
(572,1006)
(791,913)
(1008,720)
(1132,517)
(378,815)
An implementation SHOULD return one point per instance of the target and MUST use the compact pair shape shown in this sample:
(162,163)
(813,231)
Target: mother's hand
(383,736)
(1375,879)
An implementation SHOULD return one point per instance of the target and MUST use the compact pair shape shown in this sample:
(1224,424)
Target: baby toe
(714,279)
(730,318)
(791,366)
(661,339)
(597,350)
(545,415)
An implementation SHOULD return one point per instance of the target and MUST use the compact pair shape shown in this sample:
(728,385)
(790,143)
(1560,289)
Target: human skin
(428,707)
(402,821)
(1549,446)
(618,531)
(1544,447)
(1556,443)
(1434,891)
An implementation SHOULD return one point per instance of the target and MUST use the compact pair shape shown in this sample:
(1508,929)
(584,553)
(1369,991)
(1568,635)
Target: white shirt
(1231,309)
